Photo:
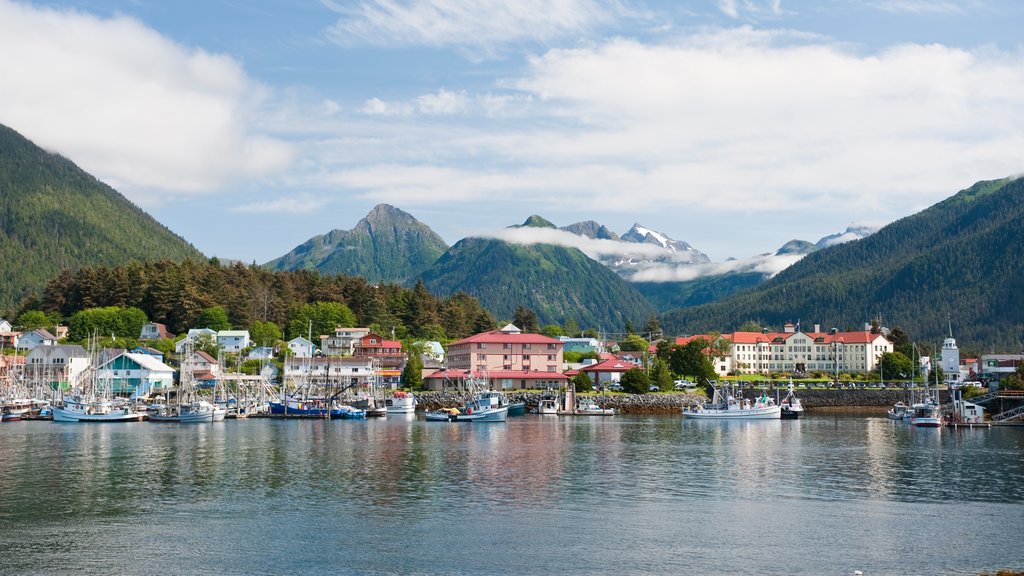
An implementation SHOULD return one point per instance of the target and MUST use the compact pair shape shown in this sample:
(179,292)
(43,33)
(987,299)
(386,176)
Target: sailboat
(926,413)
(187,407)
(94,402)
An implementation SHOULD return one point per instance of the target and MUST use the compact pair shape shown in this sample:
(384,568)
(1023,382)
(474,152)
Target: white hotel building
(792,351)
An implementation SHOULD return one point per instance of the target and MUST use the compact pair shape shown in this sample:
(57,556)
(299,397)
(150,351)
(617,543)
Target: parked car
(654,388)
(683,384)
(615,387)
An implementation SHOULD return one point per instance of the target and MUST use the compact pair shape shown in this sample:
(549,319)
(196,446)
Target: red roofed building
(789,351)
(506,349)
(496,379)
(604,373)
(387,355)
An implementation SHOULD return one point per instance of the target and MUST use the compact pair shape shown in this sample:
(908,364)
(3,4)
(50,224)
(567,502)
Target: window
(526,346)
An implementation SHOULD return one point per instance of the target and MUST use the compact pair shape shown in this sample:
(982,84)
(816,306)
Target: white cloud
(479,25)
(130,106)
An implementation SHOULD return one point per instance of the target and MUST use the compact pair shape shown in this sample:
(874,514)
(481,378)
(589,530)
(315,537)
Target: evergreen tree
(660,375)
(215,318)
(526,320)
(581,382)
(635,381)
(412,374)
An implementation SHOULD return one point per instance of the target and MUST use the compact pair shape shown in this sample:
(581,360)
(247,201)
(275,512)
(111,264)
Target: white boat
(588,407)
(926,414)
(547,405)
(484,408)
(726,406)
(197,411)
(899,411)
(400,403)
(791,406)
(79,408)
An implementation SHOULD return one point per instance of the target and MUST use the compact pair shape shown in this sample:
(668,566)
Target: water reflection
(667,492)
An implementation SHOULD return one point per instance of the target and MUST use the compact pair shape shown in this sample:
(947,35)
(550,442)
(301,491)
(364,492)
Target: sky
(249,126)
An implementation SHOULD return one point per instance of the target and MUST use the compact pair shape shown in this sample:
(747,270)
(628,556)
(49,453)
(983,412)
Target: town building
(154,331)
(54,365)
(329,371)
(131,374)
(38,337)
(342,342)
(301,347)
(608,372)
(506,349)
(195,335)
(794,351)
(387,356)
(582,345)
(233,340)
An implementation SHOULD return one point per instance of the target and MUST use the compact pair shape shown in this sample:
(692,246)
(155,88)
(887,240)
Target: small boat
(484,408)
(400,402)
(347,412)
(547,405)
(791,406)
(195,412)
(303,408)
(9,414)
(517,409)
(590,408)
(726,406)
(899,411)
(82,409)
(926,414)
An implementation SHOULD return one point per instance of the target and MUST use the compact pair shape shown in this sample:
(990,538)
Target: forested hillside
(176,294)
(54,217)
(962,258)
(556,282)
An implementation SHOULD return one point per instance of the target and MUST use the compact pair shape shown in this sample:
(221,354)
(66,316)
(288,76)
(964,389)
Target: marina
(642,494)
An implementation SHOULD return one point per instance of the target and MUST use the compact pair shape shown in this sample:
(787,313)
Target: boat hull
(401,404)
(62,415)
(489,415)
(766,413)
(517,409)
(279,409)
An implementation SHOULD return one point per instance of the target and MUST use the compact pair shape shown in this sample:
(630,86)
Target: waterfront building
(329,371)
(608,372)
(795,351)
(342,342)
(583,345)
(505,380)
(506,349)
(998,366)
(131,374)
(61,365)
(389,359)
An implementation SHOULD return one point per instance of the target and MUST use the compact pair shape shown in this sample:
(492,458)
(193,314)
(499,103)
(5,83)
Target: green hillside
(556,282)
(388,245)
(54,217)
(962,258)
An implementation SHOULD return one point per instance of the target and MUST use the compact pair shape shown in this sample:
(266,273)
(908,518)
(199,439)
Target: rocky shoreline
(668,403)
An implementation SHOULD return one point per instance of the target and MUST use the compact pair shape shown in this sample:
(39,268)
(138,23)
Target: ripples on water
(824,495)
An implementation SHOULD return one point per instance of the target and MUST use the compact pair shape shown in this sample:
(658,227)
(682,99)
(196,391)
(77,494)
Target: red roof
(499,374)
(499,337)
(613,365)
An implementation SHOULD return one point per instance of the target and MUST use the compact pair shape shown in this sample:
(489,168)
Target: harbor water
(827,494)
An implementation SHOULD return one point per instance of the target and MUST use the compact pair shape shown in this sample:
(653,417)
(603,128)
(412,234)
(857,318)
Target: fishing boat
(94,401)
(729,405)
(300,407)
(899,411)
(587,407)
(483,408)
(548,404)
(926,414)
(791,406)
(400,402)
(187,407)
(347,412)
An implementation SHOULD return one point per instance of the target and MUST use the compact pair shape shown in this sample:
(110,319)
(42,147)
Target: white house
(260,353)
(233,340)
(136,374)
(39,337)
(342,342)
(5,326)
(301,348)
(57,364)
(204,366)
(331,371)
(193,335)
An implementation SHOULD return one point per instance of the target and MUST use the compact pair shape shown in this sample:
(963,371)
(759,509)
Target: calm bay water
(829,494)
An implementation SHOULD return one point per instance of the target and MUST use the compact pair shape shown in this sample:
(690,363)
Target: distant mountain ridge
(959,261)
(54,217)
(386,246)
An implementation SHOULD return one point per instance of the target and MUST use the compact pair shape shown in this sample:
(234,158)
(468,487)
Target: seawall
(667,403)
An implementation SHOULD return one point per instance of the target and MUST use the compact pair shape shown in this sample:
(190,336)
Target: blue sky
(735,125)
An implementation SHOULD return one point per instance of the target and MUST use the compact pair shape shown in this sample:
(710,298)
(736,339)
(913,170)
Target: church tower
(950,358)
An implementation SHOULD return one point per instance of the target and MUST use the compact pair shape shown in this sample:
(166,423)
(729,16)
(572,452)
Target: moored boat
(485,407)
(791,408)
(400,402)
(78,408)
(589,407)
(725,405)
(926,414)
(899,411)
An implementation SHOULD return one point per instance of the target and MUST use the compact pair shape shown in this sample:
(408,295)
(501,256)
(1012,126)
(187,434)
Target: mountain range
(55,216)
(958,264)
